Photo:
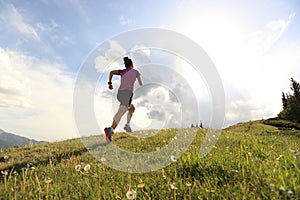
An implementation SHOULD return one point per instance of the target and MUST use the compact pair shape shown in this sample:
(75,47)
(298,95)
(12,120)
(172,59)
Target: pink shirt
(128,77)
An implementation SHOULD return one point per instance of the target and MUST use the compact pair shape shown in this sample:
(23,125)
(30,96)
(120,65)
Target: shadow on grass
(17,167)
(282,132)
(213,172)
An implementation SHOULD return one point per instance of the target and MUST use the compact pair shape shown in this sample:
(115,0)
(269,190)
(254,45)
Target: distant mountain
(8,140)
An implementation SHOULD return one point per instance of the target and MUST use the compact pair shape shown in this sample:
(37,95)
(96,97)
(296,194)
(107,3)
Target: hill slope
(250,161)
(10,140)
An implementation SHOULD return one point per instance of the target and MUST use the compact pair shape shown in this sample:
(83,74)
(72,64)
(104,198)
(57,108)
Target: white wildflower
(188,184)
(173,159)
(292,151)
(48,180)
(4,173)
(278,158)
(272,186)
(290,192)
(77,168)
(131,194)
(173,187)
(87,167)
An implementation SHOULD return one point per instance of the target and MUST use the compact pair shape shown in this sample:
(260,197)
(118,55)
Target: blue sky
(255,46)
(68,30)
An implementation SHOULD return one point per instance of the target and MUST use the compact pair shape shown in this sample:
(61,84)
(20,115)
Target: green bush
(281,123)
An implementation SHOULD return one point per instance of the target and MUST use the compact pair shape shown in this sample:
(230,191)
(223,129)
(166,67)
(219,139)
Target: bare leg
(122,110)
(130,113)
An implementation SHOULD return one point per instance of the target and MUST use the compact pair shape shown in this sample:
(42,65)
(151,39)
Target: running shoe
(108,133)
(127,128)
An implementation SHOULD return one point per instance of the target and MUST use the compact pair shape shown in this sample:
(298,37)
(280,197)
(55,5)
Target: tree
(201,125)
(284,101)
(291,103)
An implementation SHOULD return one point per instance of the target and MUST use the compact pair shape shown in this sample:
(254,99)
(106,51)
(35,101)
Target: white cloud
(262,70)
(160,109)
(14,91)
(12,19)
(106,60)
(125,21)
(52,30)
(241,106)
(256,93)
(255,65)
(37,97)
(50,27)
(21,29)
(141,55)
(193,78)
(166,94)
(263,40)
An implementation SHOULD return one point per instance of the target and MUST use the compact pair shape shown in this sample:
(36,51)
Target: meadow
(250,160)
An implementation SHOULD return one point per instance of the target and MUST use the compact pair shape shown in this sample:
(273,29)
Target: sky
(254,45)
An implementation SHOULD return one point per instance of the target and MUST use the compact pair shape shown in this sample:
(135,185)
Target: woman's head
(127,62)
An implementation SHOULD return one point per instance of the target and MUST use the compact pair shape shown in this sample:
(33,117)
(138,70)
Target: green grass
(250,161)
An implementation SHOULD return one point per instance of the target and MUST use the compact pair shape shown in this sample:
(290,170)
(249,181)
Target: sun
(219,34)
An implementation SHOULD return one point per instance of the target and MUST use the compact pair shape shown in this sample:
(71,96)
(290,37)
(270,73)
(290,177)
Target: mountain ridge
(8,140)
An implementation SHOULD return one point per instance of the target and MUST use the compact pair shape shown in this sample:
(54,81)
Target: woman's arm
(111,73)
(140,80)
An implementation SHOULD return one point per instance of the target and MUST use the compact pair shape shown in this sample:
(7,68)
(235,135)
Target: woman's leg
(122,110)
(130,113)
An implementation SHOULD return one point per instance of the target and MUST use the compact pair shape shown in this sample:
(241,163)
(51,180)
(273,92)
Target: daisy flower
(103,159)
(48,180)
(77,168)
(173,187)
(87,167)
(173,159)
(131,194)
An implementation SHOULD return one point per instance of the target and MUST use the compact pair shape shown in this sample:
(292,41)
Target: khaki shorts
(125,97)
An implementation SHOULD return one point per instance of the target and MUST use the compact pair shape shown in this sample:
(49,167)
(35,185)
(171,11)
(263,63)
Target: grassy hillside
(250,161)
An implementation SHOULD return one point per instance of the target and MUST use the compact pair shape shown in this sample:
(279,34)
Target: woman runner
(124,96)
